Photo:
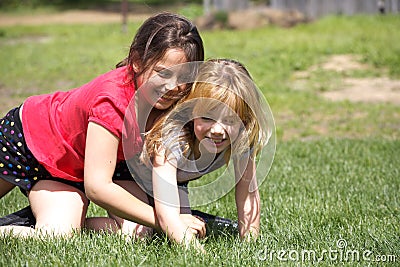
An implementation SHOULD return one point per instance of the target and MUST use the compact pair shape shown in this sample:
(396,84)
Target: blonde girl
(221,120)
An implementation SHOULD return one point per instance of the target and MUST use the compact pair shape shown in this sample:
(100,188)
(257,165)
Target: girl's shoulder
(176,143)
(118,76)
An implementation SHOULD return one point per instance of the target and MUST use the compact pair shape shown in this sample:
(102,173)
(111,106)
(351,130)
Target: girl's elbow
(92,193)
(92,196)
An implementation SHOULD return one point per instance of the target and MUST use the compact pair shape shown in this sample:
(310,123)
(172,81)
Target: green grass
(336,171)
(317,194)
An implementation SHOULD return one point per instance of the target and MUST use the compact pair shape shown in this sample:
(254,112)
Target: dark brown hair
(158,34)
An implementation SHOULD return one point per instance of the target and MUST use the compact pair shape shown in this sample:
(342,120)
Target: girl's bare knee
(59,209)
(55,230)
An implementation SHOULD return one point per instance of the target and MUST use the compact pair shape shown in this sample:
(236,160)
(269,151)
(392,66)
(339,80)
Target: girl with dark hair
(64,149)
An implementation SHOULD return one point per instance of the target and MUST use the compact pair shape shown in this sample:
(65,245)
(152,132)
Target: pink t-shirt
(55,125)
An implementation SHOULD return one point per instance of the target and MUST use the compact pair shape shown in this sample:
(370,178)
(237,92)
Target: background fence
(318,8)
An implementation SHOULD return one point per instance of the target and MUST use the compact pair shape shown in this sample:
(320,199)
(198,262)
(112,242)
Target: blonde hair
(229,83)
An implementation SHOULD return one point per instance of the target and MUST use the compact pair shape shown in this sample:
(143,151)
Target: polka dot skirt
(17,164)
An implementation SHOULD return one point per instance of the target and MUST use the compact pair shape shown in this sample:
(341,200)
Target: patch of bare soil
(97,14)
(333,79)
(70,17)
(371,90)
(341,63)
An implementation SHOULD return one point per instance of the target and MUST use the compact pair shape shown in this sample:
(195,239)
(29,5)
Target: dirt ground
(382,89)
(71,17)
(368,89)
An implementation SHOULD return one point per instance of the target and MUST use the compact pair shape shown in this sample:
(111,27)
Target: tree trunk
(124,12)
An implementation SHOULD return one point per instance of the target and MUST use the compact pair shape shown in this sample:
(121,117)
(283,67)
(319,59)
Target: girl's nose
(217,128)
(171,85)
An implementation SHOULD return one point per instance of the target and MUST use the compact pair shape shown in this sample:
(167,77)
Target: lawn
(332,193)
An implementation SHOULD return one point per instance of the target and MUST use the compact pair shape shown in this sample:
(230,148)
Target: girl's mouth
(168,96)
(216,141)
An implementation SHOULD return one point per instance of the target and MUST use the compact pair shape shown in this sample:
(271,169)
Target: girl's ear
(136,62)
(135,67)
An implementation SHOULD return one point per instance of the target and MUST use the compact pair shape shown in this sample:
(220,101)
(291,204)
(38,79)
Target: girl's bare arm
(100,162)
(167,204)
(247,198)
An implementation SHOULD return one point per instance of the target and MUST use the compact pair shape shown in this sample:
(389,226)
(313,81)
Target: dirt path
(70,17)
(368,89)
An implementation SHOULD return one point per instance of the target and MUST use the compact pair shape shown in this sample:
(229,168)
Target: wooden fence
(318,8)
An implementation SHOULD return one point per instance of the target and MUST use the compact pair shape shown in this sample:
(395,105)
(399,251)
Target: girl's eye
(206,119)
(230,121)
(165,74)
(185,77)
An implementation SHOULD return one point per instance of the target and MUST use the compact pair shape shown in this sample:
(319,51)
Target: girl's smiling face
(217,129)
(160,85)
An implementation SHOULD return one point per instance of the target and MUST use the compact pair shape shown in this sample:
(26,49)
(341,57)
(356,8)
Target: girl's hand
(193,243)
(195,225)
